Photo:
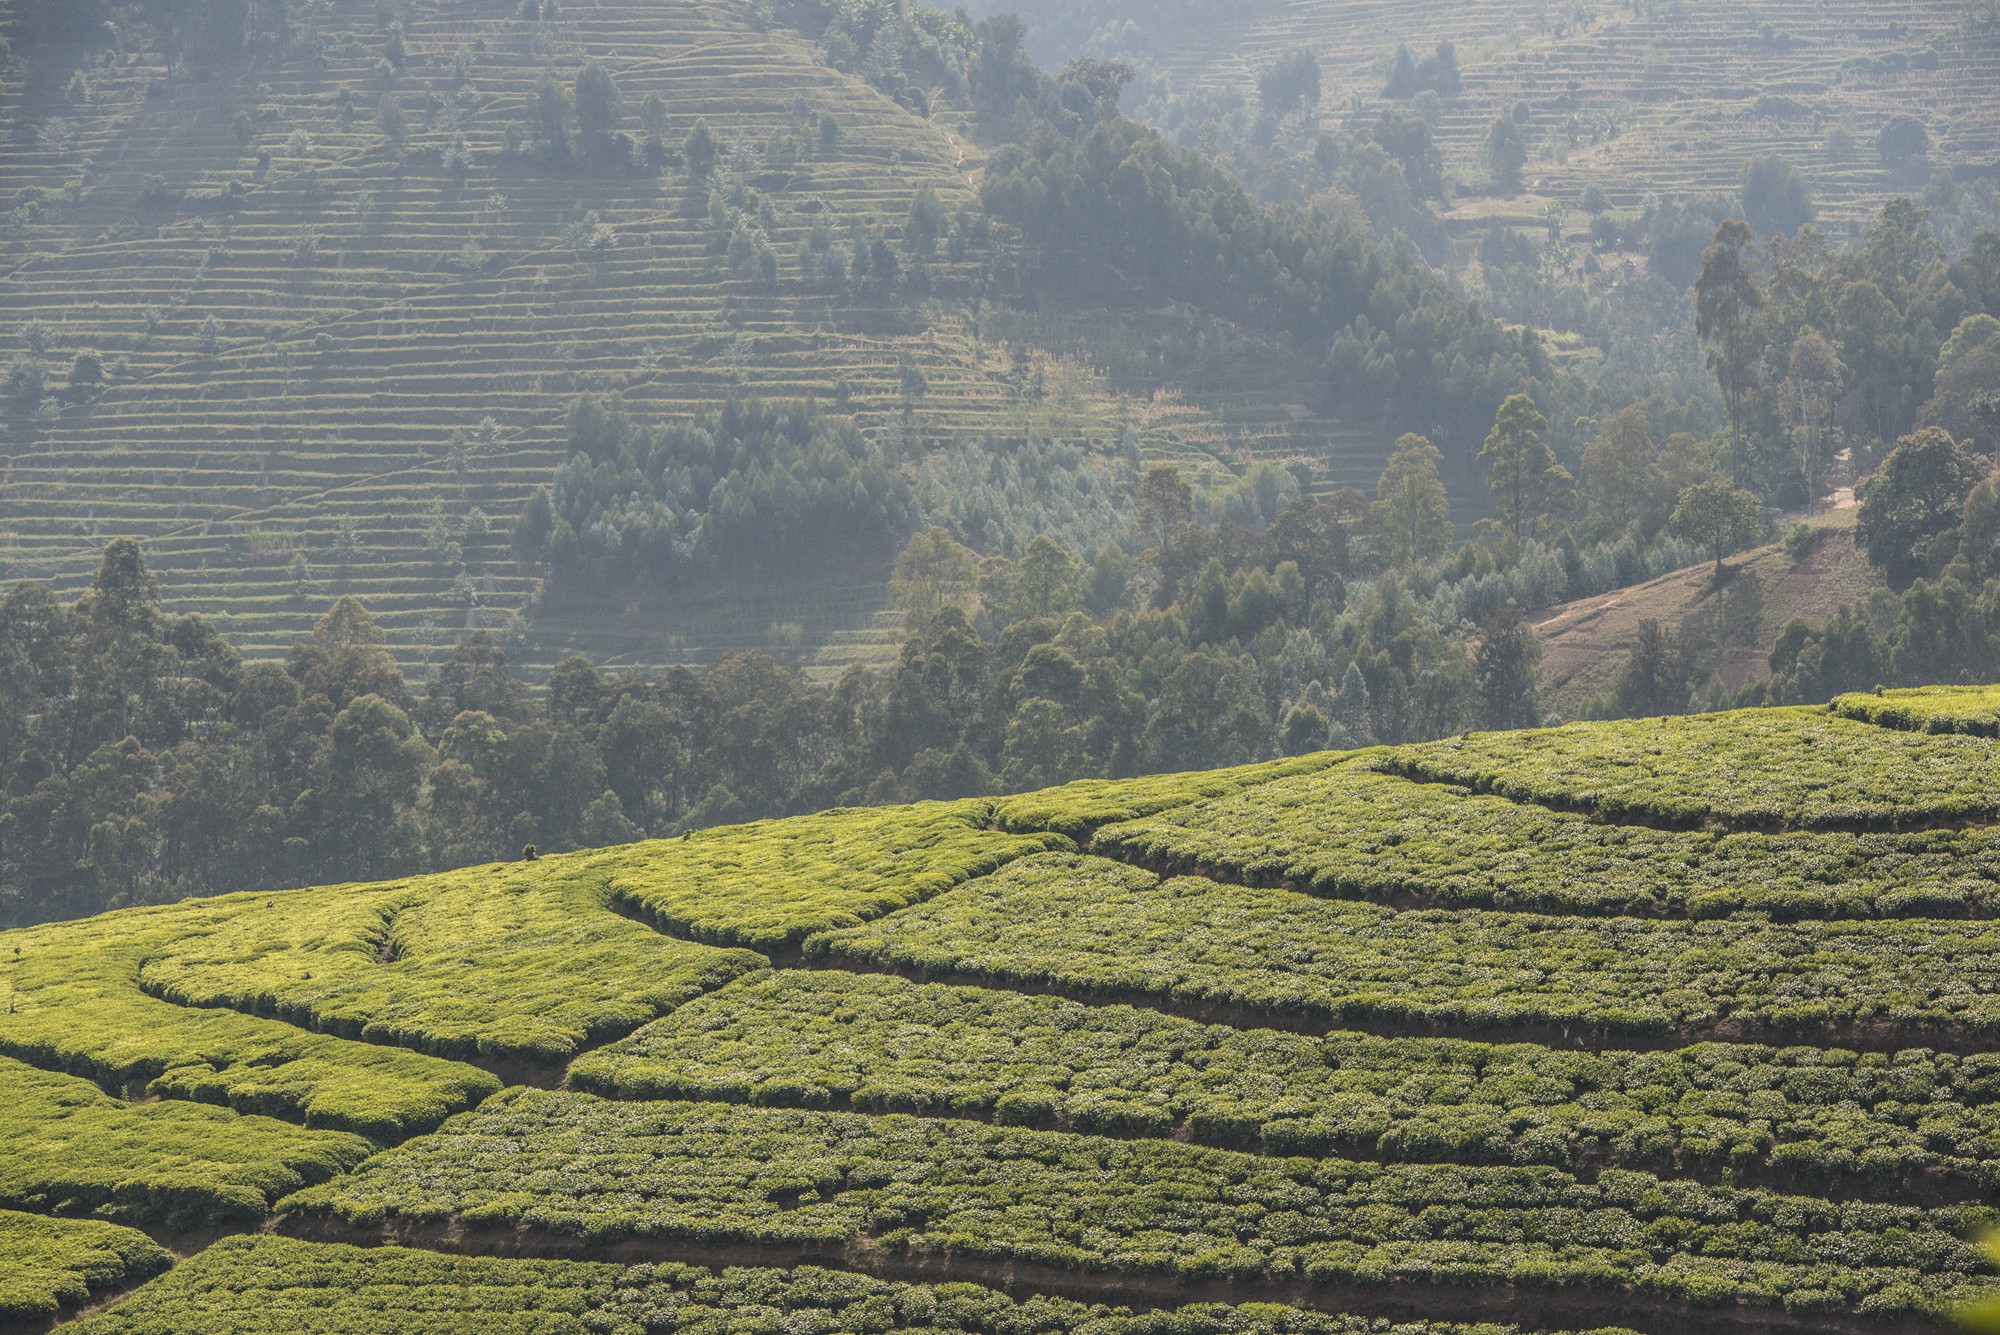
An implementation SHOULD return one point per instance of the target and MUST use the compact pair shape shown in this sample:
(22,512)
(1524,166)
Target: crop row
(1102,928)
(772,883)
(1799,767)
(47,1264)
(1932,709)
(265,1283)
(67,1147)
(518,961)
(1657,102)
(69,1001)
(722,1173)
(1826,1120)
(271,386)
(1353,833)
(1077,808)
(525,961)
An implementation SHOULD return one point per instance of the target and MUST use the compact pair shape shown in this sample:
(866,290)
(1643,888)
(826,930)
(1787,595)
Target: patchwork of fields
(1557,1030)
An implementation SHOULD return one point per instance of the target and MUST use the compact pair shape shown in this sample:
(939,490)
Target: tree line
(758,486)
(1930,521)
(1817,349)
(144,759)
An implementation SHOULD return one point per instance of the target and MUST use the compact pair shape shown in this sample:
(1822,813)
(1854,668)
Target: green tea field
(1658,1026)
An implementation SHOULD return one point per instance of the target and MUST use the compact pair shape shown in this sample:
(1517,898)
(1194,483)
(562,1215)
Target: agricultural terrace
(53,1263)
(1974,709)
(1555,1030)
(1637,97)
(77,1150)
(340,365)
(1354,832)
(254,1282)
(705,1172)
(1096,928)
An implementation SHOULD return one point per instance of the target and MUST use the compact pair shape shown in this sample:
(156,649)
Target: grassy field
(1503,1028)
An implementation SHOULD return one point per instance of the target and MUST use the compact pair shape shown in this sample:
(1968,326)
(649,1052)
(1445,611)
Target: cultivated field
(334,365)
(1638,97)
(1655,1024)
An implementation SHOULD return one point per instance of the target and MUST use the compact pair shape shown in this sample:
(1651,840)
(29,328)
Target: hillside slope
(1641,99)
(1586,643)
(337,364)
(1663,1024)
(352,333)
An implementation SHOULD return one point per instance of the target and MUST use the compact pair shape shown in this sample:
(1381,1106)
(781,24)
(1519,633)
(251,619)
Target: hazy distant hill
(333,363)
(1657,97)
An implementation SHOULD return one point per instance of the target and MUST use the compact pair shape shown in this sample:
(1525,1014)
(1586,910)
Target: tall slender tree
(1526,478)
(598,106)
(1728,301)
(1410,514)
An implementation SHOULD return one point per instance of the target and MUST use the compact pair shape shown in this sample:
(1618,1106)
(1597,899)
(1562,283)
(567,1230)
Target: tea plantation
(1645,1026)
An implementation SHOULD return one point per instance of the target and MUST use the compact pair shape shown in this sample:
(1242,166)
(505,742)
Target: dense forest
(1400,343)
(146,760)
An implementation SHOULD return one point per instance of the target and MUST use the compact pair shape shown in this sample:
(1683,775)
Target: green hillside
(336,354)
(1639,1024)
(1586,643)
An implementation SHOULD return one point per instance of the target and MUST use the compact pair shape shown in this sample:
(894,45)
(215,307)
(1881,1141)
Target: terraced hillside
(1659,97)
(334,363)
(1662,1024)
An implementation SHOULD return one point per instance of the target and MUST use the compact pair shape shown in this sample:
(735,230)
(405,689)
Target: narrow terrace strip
(75,1007)
(509,1070)
(1349,832)
(1673,817)
(580,1176)
(768,885)
(67,1148)
(830,953)
(1079,809)
(1398,1300)
(1933,709)
(1577,1036)
(1757,770)
(271,1284)
(1831,1125)
(1099,931)
(48,1266)
(609,1172)
(515,966)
